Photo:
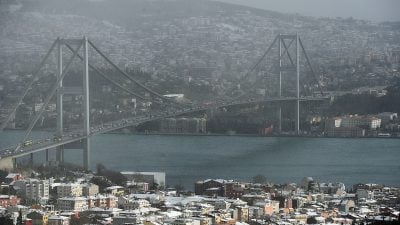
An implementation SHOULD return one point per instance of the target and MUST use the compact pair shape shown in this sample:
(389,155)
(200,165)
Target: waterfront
(186,159)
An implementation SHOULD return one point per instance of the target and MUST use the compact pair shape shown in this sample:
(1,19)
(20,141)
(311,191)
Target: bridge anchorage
(80,138)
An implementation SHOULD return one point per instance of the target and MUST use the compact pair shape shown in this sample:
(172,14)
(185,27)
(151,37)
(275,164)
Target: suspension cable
(107,77)
(48,98)
(29,86)
(311,68)
(129,77)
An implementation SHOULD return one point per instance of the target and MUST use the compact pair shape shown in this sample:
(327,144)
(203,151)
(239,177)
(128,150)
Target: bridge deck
(74,136)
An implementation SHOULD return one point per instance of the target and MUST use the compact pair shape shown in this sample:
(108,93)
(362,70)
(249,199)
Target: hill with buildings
(197,48)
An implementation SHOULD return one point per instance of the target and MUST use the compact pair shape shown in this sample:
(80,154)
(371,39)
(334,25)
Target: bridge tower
(74,45)
(59,103)
(82,138)
(61,90)
(290,50)
(284,52)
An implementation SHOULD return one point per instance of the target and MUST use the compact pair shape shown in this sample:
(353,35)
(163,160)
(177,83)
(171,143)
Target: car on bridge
(57,138)
(27,143)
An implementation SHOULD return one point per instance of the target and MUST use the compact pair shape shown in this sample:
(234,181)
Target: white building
(65,190)
(72,204)
(128,203)
(184,221)
(33,189)
(102,201)
(90,189)
(364,194)
(332,188)
(148,177)
(356,121)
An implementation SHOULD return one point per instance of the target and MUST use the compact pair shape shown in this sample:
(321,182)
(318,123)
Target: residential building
(151,178)
(128,203)
(235,189)
(64,190)
(72,203)
(33,189)
(9,200)
(38,218)
(102,201)
(90,189)
(12,177)
(210,187)
(59,220)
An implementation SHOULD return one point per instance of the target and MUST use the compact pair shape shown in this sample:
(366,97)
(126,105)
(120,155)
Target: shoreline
(248,135)
(226,135)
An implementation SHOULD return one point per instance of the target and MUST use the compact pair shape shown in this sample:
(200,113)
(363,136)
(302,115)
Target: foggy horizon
(373,10)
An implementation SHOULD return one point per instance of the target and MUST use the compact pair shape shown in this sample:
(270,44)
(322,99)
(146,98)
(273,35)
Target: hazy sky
(375,10)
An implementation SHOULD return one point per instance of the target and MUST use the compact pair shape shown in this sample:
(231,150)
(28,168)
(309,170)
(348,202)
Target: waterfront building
(347,132)
(361,121)
(135,187)
(332,188)
(151,178)
(364,194)
(387,117)
(210,187)
(352,125)
(236,189)
(183,125)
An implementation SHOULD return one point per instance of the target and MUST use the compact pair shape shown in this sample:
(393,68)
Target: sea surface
(186,159)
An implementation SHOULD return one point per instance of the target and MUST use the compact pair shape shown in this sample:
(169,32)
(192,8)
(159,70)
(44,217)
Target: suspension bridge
(289,50)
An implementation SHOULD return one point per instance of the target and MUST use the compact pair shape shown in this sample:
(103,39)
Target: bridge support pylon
(47,155)
(297,84)
(284,52)
(59,102)
(86,107)
(31,159)
(61,90)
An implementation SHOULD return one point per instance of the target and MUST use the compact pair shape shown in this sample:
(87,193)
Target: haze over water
(186,159)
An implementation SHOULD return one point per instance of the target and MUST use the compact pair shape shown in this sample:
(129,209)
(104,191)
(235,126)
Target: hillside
(170,38)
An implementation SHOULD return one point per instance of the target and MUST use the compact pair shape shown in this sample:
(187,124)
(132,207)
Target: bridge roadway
(77,135)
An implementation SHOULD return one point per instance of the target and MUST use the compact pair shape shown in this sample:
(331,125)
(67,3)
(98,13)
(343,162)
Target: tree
(102,182)
(3,175)
(19,219)
(259,179)
(100,168)
(8,190)
(6,220)
(114,176)
(179,188)
(311,220)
